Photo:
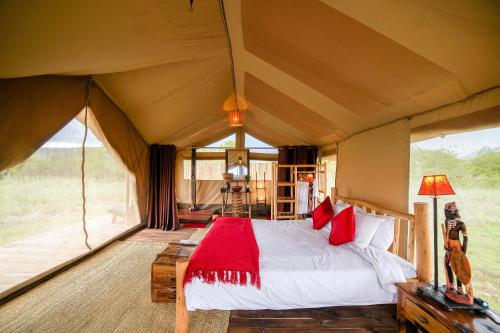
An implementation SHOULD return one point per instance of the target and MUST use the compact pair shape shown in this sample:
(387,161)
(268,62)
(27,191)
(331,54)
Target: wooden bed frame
(412,242)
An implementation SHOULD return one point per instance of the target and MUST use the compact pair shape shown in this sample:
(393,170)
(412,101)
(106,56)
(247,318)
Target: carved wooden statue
(455,262)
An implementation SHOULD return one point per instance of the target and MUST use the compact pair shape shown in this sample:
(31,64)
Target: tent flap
(32,110)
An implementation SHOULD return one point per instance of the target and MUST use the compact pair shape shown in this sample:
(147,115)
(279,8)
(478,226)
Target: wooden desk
(415,314)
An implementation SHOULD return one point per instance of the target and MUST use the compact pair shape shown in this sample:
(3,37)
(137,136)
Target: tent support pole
(193,180)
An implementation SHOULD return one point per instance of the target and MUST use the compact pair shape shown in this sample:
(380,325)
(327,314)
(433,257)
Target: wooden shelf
(285,217)
(285,200)
(285,184)
(312,171)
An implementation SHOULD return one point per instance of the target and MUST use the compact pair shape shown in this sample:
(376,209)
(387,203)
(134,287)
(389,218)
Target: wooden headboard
(416,236)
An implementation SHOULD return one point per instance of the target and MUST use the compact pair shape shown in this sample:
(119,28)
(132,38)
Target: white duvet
(300,269)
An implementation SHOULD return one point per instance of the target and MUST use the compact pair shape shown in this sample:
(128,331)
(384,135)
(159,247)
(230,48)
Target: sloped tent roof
(312,72)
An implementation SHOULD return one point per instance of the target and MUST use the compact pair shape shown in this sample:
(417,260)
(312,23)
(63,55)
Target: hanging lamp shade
(435,185)
(235,118)
(235,103)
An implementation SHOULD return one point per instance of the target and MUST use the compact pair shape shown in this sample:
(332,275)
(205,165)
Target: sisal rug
(110,292)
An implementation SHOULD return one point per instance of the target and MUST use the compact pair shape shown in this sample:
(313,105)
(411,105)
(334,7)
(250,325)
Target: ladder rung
(285,200)
(285,184)
(285,217)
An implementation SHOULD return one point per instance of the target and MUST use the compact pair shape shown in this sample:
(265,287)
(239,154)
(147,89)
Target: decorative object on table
(233,196)
(237,163)
(437,185)
(228,177)
(247,183)
(456,263)
(236,188)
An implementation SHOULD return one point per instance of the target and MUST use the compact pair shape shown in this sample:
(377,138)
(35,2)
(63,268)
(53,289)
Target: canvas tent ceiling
(313,72)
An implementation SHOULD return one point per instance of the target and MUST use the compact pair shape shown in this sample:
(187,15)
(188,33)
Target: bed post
(333,195)
(181,312)
(424,243)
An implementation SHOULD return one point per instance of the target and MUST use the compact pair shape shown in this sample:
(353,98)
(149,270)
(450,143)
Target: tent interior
(119,115)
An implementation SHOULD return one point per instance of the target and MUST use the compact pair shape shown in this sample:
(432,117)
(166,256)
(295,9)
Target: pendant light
(235,118)
(235,106)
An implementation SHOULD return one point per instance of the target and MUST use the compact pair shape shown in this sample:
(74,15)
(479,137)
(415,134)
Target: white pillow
(384,236)
(339,206)
(366,226)
(325,229)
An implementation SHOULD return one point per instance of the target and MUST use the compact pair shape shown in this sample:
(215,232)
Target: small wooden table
(416,314)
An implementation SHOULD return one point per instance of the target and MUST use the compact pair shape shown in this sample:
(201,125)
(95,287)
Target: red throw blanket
(228,254)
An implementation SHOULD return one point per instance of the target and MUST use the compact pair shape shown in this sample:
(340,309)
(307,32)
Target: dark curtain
(162,208)
(293,155)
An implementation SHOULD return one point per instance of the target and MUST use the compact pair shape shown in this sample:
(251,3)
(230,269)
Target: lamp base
(428,292)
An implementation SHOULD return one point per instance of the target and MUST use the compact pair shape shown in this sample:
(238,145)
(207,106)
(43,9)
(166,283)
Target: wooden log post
(181,312)
(333,195)
(423,230)
(411,244)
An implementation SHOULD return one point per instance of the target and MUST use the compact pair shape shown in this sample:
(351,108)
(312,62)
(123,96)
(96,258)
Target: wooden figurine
(455,262)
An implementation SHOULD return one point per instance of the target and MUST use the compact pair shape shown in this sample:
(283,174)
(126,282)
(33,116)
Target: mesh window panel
(471,162)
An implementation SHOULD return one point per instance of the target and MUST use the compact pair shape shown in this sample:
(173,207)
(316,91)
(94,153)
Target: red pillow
(343,227)
(322,214)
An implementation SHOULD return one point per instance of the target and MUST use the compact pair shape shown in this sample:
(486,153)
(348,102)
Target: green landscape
(44,192)
(476,181)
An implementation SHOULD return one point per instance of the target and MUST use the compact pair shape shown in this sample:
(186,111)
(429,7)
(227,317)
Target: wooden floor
(161,236)
(373,318)
(27,258)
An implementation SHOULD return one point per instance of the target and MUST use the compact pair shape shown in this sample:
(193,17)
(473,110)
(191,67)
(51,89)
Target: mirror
(237,163)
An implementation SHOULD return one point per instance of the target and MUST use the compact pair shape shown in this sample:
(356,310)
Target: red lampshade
(435,185)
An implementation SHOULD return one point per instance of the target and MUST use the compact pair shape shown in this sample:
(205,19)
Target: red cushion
(343,227)
(322,214)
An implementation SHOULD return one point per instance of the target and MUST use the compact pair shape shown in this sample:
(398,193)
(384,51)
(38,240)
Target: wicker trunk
(163,272)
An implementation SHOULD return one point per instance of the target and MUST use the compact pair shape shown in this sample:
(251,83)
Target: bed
(299,269)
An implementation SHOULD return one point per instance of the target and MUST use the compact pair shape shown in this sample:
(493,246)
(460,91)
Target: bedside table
(416,314)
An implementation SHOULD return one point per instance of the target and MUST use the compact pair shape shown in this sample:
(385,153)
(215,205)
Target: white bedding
(300,269)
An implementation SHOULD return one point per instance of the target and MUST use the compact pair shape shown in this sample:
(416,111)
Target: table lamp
(435,186)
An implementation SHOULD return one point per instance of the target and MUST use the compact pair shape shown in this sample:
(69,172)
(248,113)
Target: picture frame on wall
(238,162)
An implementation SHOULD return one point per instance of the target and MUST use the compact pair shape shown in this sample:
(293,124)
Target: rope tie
(84,198)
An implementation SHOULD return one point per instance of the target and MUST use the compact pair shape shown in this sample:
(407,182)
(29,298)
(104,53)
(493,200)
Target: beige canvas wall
(479,111)
(374,165)
(207,191)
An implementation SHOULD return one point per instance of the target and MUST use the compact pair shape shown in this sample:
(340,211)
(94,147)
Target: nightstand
(416,314)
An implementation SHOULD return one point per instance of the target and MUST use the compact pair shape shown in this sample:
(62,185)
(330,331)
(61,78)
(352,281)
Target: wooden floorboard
(161,236)
(373,318)
(29,257)
(197,216)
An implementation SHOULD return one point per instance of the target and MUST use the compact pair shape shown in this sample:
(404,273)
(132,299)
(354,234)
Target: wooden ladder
(290,200)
